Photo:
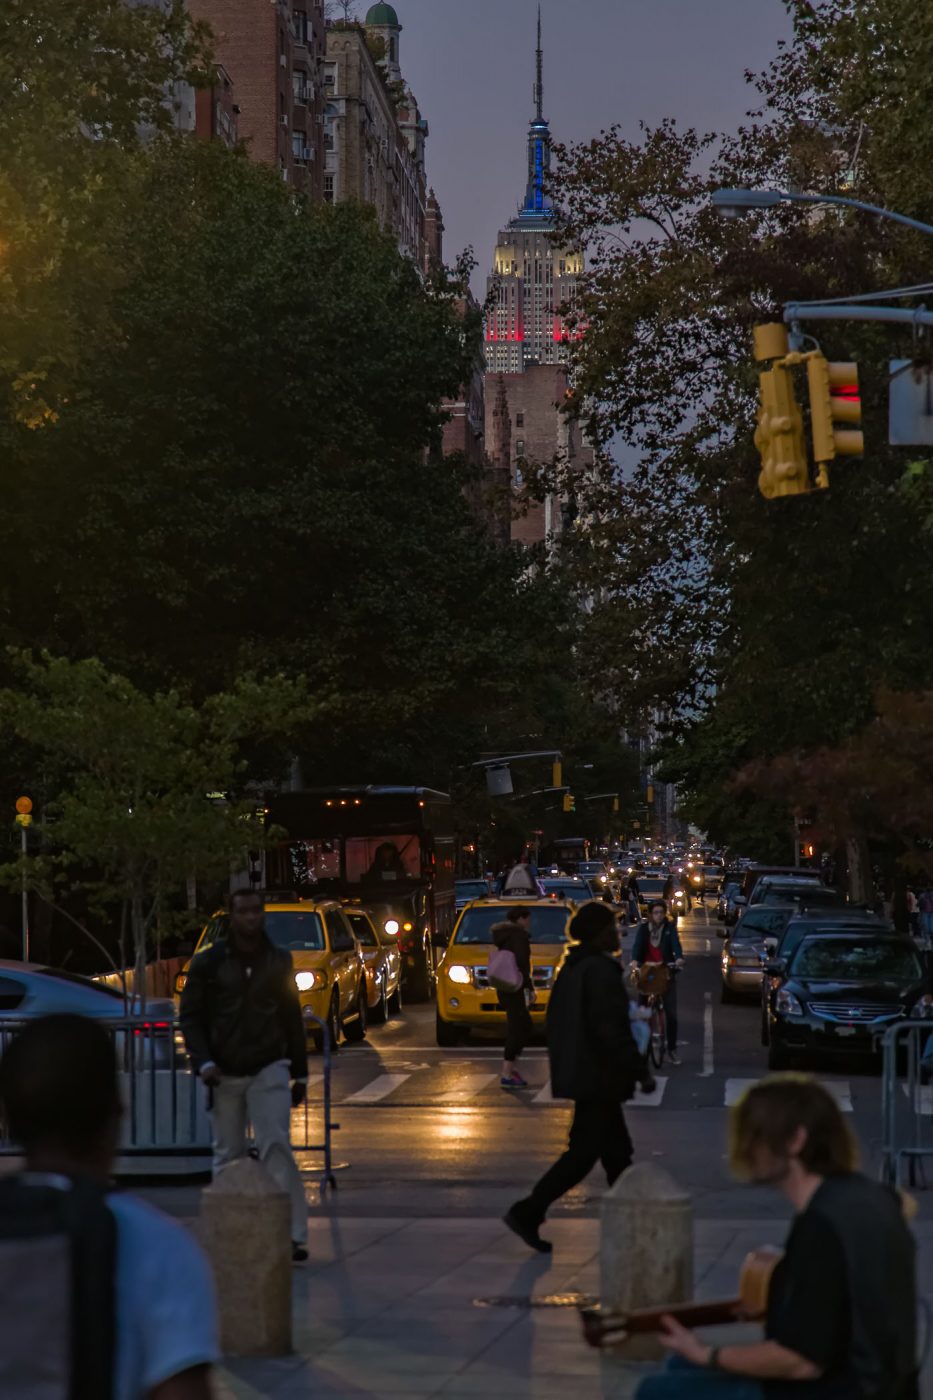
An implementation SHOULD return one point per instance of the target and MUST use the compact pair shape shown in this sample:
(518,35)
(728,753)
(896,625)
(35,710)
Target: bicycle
(653,980)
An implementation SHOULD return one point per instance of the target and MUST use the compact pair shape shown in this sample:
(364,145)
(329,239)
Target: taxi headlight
(307,981)
(459,974)
(391,926)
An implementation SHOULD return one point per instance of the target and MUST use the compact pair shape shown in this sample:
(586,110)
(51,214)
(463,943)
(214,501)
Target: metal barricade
(326,1177)
(906,1103)
(166,1127)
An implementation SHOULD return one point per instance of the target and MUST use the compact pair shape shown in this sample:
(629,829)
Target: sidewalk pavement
(403,1310)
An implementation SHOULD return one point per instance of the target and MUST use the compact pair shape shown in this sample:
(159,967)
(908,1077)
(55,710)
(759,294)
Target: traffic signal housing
(570,804)
(834,399)
(779,436)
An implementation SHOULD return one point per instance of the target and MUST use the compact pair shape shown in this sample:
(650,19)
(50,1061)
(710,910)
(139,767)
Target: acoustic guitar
(605,1329)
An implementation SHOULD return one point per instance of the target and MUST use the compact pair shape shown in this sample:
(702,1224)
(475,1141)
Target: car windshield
(567,889)
(808,894)
(651,886)
(298,930)
(856,960)
(471,889)
(547,925)
(365,933)
(761,921)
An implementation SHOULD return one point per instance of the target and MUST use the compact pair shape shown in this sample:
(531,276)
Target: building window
(299,87)
(300,21)
(519,420)
(299,147)
(328,189)
(520,447)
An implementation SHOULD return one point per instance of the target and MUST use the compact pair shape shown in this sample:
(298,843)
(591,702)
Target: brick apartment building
(374,134)
(273,53)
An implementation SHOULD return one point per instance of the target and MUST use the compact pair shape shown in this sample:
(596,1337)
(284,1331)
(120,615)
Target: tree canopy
(753,629)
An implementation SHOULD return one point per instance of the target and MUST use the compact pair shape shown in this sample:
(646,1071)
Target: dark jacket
(516,940)
(243,1023)
(592,1050)
(670,943)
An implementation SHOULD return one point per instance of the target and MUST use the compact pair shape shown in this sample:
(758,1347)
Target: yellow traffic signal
(834,398)
(779,437)
(557,774)
(569,803)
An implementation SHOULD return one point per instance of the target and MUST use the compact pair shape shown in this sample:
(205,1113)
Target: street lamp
(731,203)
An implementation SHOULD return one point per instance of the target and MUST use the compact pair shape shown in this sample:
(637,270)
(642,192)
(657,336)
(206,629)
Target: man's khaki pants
(265,1100)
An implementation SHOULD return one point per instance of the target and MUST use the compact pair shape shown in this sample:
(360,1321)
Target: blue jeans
(681,1381)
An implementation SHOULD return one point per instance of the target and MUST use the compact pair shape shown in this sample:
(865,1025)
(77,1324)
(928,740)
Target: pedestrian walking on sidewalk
(241,1019)
(101,1295)
(594,1062)
(512,936)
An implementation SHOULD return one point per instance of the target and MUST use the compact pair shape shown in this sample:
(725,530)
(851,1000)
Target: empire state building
(532,279)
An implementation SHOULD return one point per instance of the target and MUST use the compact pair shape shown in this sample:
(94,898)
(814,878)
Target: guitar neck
(687,1314)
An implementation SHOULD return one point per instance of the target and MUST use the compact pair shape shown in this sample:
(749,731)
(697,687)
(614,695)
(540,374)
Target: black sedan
(838,993)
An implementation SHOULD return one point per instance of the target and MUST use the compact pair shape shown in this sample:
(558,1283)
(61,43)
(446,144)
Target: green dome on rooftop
(382,14)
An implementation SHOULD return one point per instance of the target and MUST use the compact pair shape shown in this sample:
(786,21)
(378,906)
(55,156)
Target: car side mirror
(776,967)
(770,946)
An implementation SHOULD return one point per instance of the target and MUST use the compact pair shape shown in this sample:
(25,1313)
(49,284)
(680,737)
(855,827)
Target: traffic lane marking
(378,1088)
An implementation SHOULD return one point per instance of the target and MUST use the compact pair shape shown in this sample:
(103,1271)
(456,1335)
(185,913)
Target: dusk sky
(470,64)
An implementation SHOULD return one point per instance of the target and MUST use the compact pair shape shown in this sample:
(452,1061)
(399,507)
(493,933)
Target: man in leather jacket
(241,1019)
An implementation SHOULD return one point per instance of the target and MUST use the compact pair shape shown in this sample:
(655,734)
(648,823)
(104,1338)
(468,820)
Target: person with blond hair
(842,1302)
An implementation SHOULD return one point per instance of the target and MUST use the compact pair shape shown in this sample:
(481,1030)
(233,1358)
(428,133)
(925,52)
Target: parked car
(465,1000)
(30,989)
(726,908)
(839,992)
(785,889)
(465,890)
(382,966)
(328,961)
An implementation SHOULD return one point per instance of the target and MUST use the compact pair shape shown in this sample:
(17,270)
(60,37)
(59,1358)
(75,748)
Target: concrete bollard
(245,1228)
(646,1256)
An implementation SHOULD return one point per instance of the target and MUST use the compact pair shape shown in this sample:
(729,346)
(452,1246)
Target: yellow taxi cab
(465,1000)
(329,969)
(382,964)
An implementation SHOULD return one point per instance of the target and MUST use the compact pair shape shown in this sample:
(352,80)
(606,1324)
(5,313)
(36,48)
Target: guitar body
(609,1329)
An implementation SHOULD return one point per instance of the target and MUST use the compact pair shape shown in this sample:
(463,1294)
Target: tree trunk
(859,878)
(139,951)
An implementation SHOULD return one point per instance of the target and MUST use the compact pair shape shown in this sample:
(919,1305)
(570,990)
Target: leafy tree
(141,791)
(759,627)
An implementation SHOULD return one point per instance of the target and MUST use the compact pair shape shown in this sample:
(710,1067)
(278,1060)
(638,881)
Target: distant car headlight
(391,926)
(786,1004)
(678,894)
(604,879)
(407,928)
(460,974)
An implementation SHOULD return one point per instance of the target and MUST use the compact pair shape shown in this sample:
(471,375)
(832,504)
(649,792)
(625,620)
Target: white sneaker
(673,1057)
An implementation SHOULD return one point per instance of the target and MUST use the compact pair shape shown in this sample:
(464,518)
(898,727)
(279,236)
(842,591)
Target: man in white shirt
(59,1095)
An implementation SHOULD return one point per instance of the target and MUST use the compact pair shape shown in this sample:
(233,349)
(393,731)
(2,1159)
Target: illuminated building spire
(536,204)
(539,84)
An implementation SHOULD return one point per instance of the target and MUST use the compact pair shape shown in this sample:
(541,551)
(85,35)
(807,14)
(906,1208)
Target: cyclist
(656,941)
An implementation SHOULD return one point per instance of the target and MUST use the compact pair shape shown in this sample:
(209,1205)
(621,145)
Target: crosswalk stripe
(467,1088)
(378,1088)
(923,1098)
(840,1089)
(653,1100)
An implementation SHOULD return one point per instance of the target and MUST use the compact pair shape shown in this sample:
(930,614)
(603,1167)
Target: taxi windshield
(547,925)
(299,930)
